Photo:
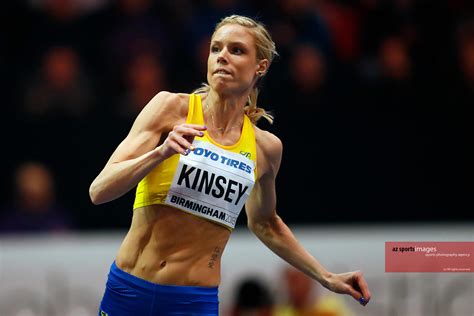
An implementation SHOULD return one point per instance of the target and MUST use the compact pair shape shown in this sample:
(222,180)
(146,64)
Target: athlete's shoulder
(269,144)
(167,105)
(170,101)
(267,140)
(163,111)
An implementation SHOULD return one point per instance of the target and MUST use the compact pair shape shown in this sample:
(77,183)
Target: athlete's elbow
(260,228)
(95,195)
(265,227)
(95,200)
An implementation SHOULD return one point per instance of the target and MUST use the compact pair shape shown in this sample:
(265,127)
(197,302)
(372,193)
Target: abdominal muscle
(168,246)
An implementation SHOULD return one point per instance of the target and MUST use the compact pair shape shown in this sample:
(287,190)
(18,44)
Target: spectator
(303,298)
(35,208)
(252,299)
(394,59)
(60,87)
(307,70)
(143,76)
(392,86)
(308,88)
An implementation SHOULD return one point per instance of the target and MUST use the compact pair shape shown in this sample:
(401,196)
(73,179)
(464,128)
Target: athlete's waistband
(141,284)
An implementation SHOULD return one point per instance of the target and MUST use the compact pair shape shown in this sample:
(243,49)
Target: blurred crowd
(298,295)
(372,98)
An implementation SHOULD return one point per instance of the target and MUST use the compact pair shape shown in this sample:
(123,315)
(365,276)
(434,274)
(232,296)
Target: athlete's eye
(214,49)
(237,50)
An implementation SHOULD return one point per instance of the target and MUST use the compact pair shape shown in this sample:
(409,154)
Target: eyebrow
(232,43)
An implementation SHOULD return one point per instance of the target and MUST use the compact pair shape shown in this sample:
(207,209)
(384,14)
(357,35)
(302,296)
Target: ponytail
(253,111)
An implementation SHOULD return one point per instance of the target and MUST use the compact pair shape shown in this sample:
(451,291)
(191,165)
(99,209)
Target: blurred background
(373,100)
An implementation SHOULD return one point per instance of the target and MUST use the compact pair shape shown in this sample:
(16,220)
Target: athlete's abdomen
(169,246)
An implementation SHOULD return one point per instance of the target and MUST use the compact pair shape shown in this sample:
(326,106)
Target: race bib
(213,183)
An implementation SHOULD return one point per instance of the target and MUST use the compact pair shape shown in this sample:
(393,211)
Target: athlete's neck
(223,112)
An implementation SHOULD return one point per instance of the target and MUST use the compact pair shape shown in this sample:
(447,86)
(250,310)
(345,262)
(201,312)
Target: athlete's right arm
(138,153)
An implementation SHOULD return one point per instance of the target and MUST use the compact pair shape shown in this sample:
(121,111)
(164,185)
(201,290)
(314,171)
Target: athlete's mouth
(222,71)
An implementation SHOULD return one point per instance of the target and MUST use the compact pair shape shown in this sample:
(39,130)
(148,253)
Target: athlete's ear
(262,67)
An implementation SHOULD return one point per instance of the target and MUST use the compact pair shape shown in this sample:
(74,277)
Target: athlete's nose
(221,58)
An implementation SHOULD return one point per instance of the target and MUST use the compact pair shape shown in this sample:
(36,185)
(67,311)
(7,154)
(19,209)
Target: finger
(173,141)
(355,294)
(188,131)
(188,134)
(182,143)
(195,126)
(365,292)
(364,288)
(360,285)
(177,148)
(359,297)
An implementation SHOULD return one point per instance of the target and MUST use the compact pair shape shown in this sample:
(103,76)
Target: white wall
(65,275)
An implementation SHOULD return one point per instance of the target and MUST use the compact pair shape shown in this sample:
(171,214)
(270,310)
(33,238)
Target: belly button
(163,263)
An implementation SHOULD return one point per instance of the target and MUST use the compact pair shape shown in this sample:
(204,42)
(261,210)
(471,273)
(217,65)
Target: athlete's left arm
(265,223)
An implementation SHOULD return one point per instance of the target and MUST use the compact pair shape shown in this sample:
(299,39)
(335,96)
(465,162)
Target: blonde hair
(265,50)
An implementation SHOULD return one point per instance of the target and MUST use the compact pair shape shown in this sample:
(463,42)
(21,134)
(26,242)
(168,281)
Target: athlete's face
(232,64)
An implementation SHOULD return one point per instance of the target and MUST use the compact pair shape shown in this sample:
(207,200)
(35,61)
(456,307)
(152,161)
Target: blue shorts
(126,294)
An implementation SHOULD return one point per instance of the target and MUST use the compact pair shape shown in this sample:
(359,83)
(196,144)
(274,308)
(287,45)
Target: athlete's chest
(212,182)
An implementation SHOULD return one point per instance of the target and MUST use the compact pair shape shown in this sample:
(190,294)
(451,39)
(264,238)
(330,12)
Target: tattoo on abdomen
(214,256)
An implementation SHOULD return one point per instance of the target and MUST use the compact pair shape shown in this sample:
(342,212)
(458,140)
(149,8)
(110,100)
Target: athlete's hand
(180,139)
(351,283)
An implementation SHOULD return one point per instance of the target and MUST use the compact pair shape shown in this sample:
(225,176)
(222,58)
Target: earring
(260,73)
